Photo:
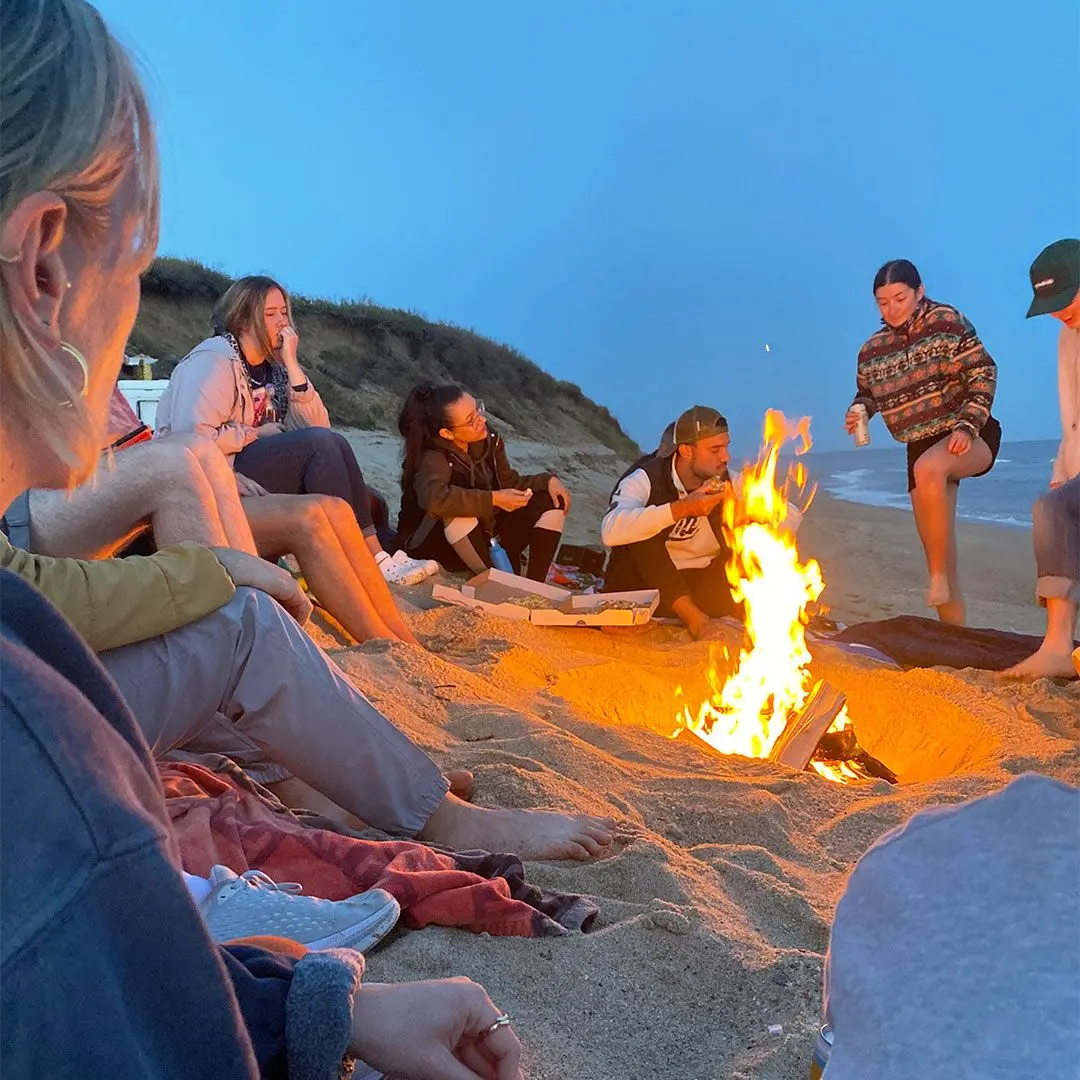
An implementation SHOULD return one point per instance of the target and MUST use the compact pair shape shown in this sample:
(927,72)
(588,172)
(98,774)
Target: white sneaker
(429,566)
(252,903)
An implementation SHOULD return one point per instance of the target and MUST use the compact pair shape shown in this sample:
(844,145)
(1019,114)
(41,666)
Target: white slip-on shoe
(428,566)
(248,904)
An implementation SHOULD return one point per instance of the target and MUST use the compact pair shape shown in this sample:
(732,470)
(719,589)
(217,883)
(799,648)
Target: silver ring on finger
(501,1021)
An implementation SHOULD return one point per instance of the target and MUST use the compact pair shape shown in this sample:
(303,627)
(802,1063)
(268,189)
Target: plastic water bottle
(499,559)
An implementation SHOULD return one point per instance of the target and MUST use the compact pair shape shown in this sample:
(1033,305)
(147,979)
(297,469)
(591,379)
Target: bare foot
(461,783)
(939,593)
(1045,664)
(529,834)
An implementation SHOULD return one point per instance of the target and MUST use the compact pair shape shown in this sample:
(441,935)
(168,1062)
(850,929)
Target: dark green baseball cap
(699,422)
(1055,277)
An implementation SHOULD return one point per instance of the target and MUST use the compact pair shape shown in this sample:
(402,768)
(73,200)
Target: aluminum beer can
(862,425)
(822,1050)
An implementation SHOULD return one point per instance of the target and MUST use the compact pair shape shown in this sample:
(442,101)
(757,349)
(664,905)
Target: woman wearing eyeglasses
(459,492)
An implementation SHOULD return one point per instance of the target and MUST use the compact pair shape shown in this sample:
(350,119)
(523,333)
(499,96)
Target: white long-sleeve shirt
(692,544)
(1067,462)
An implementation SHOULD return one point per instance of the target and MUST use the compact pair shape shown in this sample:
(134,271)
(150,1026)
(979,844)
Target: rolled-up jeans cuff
(1057,588)
(426,805)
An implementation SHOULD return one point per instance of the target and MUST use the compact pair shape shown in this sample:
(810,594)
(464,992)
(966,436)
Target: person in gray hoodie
(955,951)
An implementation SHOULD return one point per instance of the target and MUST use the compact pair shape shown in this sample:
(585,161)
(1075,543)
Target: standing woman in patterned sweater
(931,379)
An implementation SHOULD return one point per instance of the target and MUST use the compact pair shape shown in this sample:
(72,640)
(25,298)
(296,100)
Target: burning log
(805,729)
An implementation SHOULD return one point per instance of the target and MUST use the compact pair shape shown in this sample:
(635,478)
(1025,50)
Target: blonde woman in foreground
(106,970)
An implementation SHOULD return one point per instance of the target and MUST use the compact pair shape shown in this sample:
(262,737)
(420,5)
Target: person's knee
(173,462)
(1045,515)
(325,441)
(930,472)
(458,528)
(313,516)
(542,502)
(553,520)
(336,511)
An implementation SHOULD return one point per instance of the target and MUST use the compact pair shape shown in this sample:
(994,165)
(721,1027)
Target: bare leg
(294,793)
(954,610)
(159,484)
(935,518)
(222,479)
(1054,657)
(300,524)
(361,559)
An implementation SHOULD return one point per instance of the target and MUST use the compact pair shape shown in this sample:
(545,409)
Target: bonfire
(752,703)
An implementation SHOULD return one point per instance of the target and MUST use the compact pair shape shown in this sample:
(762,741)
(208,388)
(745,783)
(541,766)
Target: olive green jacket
(116,602)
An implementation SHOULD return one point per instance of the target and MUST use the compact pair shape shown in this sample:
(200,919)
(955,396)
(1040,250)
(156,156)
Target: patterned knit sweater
(928,377)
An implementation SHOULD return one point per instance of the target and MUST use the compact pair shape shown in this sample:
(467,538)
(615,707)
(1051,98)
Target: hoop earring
(81,361)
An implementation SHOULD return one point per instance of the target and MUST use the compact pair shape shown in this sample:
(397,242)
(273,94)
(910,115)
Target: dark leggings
(308,461)
(515,529)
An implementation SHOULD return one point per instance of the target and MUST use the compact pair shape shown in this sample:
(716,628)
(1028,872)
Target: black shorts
(990,434)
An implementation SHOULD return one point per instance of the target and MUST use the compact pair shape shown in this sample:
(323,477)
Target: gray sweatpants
(247,682)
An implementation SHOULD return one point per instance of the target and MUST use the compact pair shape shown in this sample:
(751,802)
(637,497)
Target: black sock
(543,543)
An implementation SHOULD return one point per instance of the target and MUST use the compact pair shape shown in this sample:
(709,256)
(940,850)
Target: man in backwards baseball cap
(664,524)
(1055,281)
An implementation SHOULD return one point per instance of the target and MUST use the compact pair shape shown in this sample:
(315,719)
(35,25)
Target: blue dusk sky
(640,196)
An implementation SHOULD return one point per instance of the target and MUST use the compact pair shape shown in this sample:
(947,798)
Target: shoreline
(1011,523)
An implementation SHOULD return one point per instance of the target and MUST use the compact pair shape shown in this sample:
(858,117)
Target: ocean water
(877,476)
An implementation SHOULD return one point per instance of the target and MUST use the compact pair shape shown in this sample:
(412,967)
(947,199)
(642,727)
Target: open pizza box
(512,597)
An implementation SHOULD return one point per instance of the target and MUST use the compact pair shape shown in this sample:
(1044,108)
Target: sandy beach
(715,905)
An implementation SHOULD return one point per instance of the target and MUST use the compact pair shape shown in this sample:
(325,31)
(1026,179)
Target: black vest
(622,574)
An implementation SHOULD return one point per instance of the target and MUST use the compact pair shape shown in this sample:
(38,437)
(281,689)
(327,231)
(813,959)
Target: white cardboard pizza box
(491,591)
(587,609)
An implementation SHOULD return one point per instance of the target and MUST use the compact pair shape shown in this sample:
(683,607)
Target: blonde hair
(74,121)
(240,311)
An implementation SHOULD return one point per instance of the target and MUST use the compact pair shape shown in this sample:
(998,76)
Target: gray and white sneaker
(244,905)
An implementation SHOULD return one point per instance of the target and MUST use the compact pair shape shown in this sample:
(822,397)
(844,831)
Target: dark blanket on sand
(222,817)
(914,642)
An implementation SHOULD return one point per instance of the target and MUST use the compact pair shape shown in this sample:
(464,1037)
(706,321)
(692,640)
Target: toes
(589,843)
(577,849)
(601,836)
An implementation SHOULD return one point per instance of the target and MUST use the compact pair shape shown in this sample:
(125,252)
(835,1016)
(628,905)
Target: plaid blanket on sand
(218,818)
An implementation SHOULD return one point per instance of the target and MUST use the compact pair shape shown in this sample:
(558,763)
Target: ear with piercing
(65,346)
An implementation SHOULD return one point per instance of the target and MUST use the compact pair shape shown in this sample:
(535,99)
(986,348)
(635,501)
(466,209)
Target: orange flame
(747,712)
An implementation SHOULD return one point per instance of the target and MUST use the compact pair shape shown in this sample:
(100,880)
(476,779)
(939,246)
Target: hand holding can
(858,424)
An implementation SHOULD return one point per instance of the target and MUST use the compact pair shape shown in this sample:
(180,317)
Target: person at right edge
(1055,279)
(955,949)
(932,380)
